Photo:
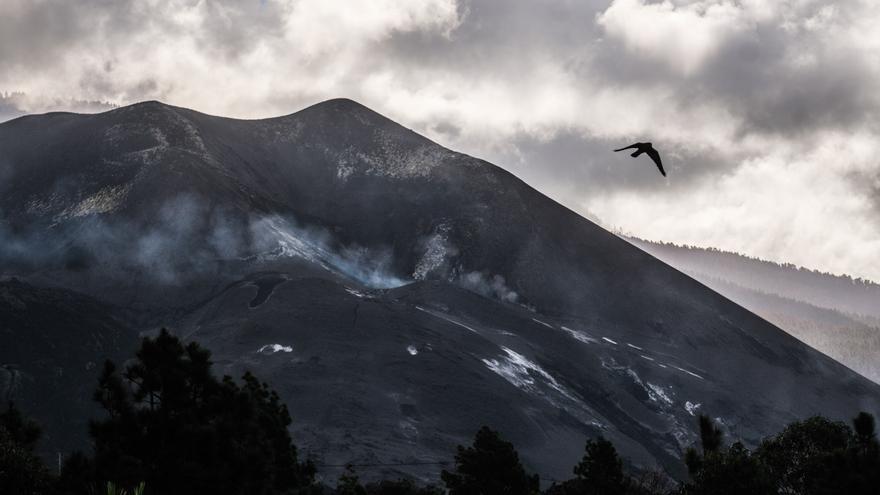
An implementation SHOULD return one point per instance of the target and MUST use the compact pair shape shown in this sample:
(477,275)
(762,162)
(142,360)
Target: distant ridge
(844,293)
(835,314)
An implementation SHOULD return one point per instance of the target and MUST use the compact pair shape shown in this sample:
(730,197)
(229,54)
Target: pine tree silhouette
(172,424)
(491,466)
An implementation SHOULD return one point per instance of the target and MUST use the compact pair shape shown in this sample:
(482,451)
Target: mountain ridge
(789,280)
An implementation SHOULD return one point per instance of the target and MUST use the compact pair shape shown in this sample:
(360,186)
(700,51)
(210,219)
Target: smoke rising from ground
(488,285)
(275,237)
(439,261)
(187,239)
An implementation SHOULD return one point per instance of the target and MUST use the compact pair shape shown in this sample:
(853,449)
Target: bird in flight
(649,150)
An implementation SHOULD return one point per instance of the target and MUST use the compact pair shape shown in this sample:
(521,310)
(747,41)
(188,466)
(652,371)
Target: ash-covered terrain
(397,294)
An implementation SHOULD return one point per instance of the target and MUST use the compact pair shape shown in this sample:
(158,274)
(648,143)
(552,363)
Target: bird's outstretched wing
(632,146)
(656,157)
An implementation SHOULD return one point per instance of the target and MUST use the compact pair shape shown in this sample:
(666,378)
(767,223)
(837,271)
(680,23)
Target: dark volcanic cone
(396,293)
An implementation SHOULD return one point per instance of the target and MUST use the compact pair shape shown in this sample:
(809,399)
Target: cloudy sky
(766,111)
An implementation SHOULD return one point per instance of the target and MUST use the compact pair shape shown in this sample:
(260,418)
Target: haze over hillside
(397,294)
(16,104)
(837,315)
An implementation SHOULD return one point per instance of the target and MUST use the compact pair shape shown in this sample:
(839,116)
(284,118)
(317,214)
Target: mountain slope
(396,293)
(836,315)
(53,343)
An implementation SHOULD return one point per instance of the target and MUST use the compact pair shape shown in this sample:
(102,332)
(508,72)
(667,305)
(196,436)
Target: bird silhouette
(648,149)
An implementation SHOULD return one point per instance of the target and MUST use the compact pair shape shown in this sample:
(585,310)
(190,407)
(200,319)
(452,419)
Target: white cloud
(680,34)
(765,112)
(233,58)
(319,28)
(786,206)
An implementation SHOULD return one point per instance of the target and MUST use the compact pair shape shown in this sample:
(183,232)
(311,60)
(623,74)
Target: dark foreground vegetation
(171,427)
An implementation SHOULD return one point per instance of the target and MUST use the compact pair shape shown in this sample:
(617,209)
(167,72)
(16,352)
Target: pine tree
(172,424)
(490,466)
(601,469)
(21,471)
(797,458)
(723,471)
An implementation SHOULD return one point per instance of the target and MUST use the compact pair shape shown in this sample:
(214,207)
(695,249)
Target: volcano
(398,295)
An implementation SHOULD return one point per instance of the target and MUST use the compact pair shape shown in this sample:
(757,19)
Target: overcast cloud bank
(766,112)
